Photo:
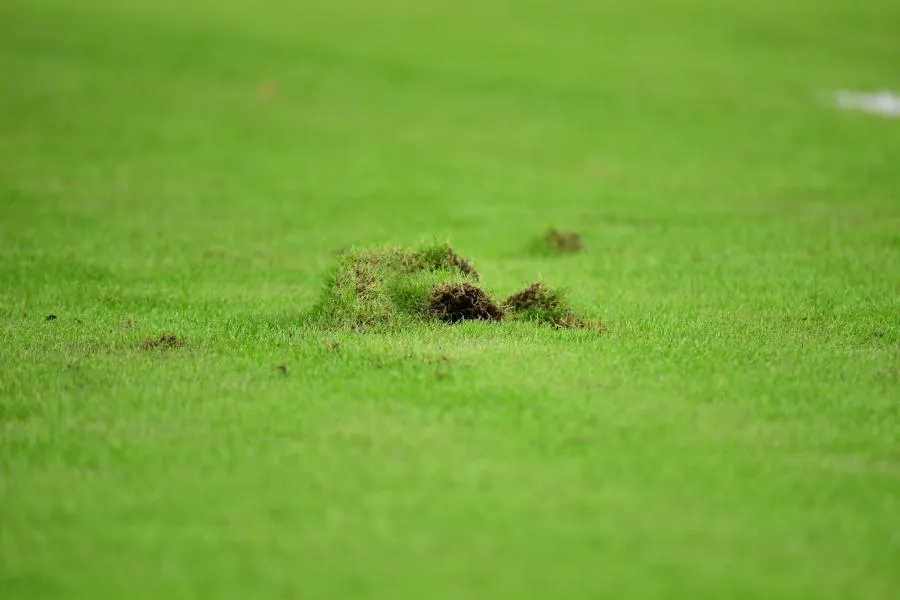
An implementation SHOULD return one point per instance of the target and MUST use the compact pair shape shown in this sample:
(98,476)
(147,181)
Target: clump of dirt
(542,304)
(389,288)
(558,241)
(454,302)
(166,341)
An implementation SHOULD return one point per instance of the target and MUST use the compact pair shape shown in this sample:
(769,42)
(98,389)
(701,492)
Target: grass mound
(389,288)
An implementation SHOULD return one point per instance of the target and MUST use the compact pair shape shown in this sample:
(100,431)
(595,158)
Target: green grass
(193,166)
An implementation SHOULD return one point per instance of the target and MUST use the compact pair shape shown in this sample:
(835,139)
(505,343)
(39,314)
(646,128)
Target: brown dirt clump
(454,302)
(563,241)
(166,340)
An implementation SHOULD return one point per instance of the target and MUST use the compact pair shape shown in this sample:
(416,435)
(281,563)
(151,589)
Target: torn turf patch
(388,288)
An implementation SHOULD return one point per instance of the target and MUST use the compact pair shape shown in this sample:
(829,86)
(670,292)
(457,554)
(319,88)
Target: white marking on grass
(883,103)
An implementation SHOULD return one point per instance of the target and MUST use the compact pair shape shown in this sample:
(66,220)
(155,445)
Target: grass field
(193,166)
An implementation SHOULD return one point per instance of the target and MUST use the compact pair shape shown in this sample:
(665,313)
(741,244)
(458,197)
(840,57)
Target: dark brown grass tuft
(454,302)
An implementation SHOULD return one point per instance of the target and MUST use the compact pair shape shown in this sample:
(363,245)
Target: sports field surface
(177,177)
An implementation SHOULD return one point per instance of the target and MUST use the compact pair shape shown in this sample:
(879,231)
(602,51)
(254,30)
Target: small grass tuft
(541,304)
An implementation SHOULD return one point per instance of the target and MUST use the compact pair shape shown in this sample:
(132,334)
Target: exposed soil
(166,340)
(454,302)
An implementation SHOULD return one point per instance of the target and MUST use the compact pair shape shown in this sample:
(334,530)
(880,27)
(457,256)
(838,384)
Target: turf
(184,173)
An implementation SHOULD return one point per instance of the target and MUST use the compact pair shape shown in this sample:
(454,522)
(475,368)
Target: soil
(454,302)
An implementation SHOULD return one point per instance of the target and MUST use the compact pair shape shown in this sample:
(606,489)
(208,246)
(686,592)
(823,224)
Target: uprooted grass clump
(390,288)
(541,304)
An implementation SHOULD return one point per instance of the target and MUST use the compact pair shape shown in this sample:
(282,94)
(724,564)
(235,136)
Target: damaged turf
(385,287)
(389,288)
(453,302)
(541,304)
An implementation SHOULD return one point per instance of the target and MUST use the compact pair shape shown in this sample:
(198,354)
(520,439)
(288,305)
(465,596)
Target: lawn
(194,168)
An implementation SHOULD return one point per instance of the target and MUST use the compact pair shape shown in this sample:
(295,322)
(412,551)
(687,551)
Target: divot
(390,288)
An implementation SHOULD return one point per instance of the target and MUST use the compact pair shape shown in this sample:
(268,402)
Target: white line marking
(883,103)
